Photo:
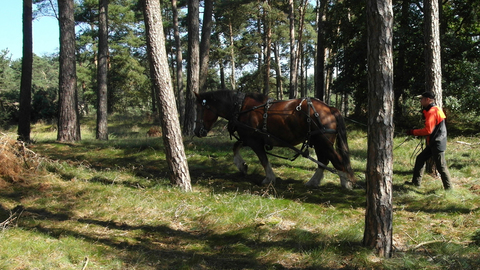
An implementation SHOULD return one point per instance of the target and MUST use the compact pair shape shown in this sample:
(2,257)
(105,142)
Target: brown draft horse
(263,123)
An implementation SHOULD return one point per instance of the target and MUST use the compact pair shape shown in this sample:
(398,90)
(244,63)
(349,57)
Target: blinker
(204,102)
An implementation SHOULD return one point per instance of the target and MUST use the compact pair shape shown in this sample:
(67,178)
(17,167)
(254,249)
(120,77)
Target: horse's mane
(257,96)
(228,95)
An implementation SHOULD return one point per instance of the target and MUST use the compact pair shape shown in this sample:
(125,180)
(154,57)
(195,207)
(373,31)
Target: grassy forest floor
(109,205)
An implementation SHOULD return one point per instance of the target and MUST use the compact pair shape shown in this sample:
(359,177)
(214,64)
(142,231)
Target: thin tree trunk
(179,63)
(172,135)
(102,71)
(379,210)
(433,61)
(293,52)
(205,44)
(193,66)
(26,82)
(222,75)
(232,57)
(320,56)
(278,71)
(268,49)
(299,50)
(68,119)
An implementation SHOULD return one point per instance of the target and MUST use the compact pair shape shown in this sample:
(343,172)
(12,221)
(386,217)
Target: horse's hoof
(267,182)
(310,185)
(244,168)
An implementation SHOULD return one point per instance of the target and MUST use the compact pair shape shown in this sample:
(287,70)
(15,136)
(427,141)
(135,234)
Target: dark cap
(427,95)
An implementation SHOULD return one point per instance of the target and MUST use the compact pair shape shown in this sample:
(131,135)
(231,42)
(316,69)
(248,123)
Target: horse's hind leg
(237,158)
(327,152)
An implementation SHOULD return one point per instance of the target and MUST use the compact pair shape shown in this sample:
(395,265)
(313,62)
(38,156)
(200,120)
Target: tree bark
(179,63)
(172,135)
(102,71)
(26,82)
(68,119)
(293,53)
(320,56)
(193,66)
(205,44)
(268,50)
(433,61)
(379,211)
(232,56)
(278,71)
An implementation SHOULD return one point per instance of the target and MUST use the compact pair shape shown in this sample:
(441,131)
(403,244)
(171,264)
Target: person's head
(426,98)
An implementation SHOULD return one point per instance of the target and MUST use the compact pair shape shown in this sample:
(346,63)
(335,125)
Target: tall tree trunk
(320,55)
(268,50)
(172,135)
(193,66)
(293,52)
(299,47)
(102,71)
(232,56)
(278,71)
(179,63)
(379,210)
(26,82)
(222,75)
(433,62)
(261,52)
(68,119)
(400,81)
(205,44)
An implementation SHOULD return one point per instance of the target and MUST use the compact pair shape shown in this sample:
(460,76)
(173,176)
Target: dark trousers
(439,159)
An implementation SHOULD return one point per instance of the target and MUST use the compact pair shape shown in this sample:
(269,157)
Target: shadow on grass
(165,248)
(212,169)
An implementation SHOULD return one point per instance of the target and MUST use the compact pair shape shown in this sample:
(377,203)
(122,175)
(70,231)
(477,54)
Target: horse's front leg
(316,178)
(319,173)
(262,156)
(237,158)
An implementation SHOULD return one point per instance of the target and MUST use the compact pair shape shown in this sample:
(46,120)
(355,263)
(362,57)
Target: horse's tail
(342,143)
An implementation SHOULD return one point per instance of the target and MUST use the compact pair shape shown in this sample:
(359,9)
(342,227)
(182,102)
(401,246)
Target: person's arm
(430,123)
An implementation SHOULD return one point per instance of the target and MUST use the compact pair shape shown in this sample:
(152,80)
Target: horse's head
(206,116)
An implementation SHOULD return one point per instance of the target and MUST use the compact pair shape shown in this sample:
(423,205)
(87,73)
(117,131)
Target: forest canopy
(245,34)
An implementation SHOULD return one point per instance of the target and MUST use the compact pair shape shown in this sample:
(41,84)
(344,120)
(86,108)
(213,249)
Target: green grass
(109,205)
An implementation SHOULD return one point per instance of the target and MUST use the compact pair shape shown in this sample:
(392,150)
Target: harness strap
(265,114)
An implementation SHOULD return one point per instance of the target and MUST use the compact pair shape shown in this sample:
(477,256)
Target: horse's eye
(204,102)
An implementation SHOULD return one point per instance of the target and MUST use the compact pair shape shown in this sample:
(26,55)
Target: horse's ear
(197,95)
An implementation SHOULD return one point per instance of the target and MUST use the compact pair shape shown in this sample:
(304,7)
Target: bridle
(202,131)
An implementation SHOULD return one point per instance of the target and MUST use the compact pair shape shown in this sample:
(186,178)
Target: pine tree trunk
(293,52)
(379,210)
(26,82)
(179,63)
(193,66)
(102,71)
(172,135)
(320,55)
(205,44)
(433,62)
(268,52)
(68,120)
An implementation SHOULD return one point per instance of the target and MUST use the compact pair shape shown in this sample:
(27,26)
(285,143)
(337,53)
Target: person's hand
(410,132)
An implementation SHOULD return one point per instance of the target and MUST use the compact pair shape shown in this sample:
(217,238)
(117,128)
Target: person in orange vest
(435,131)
